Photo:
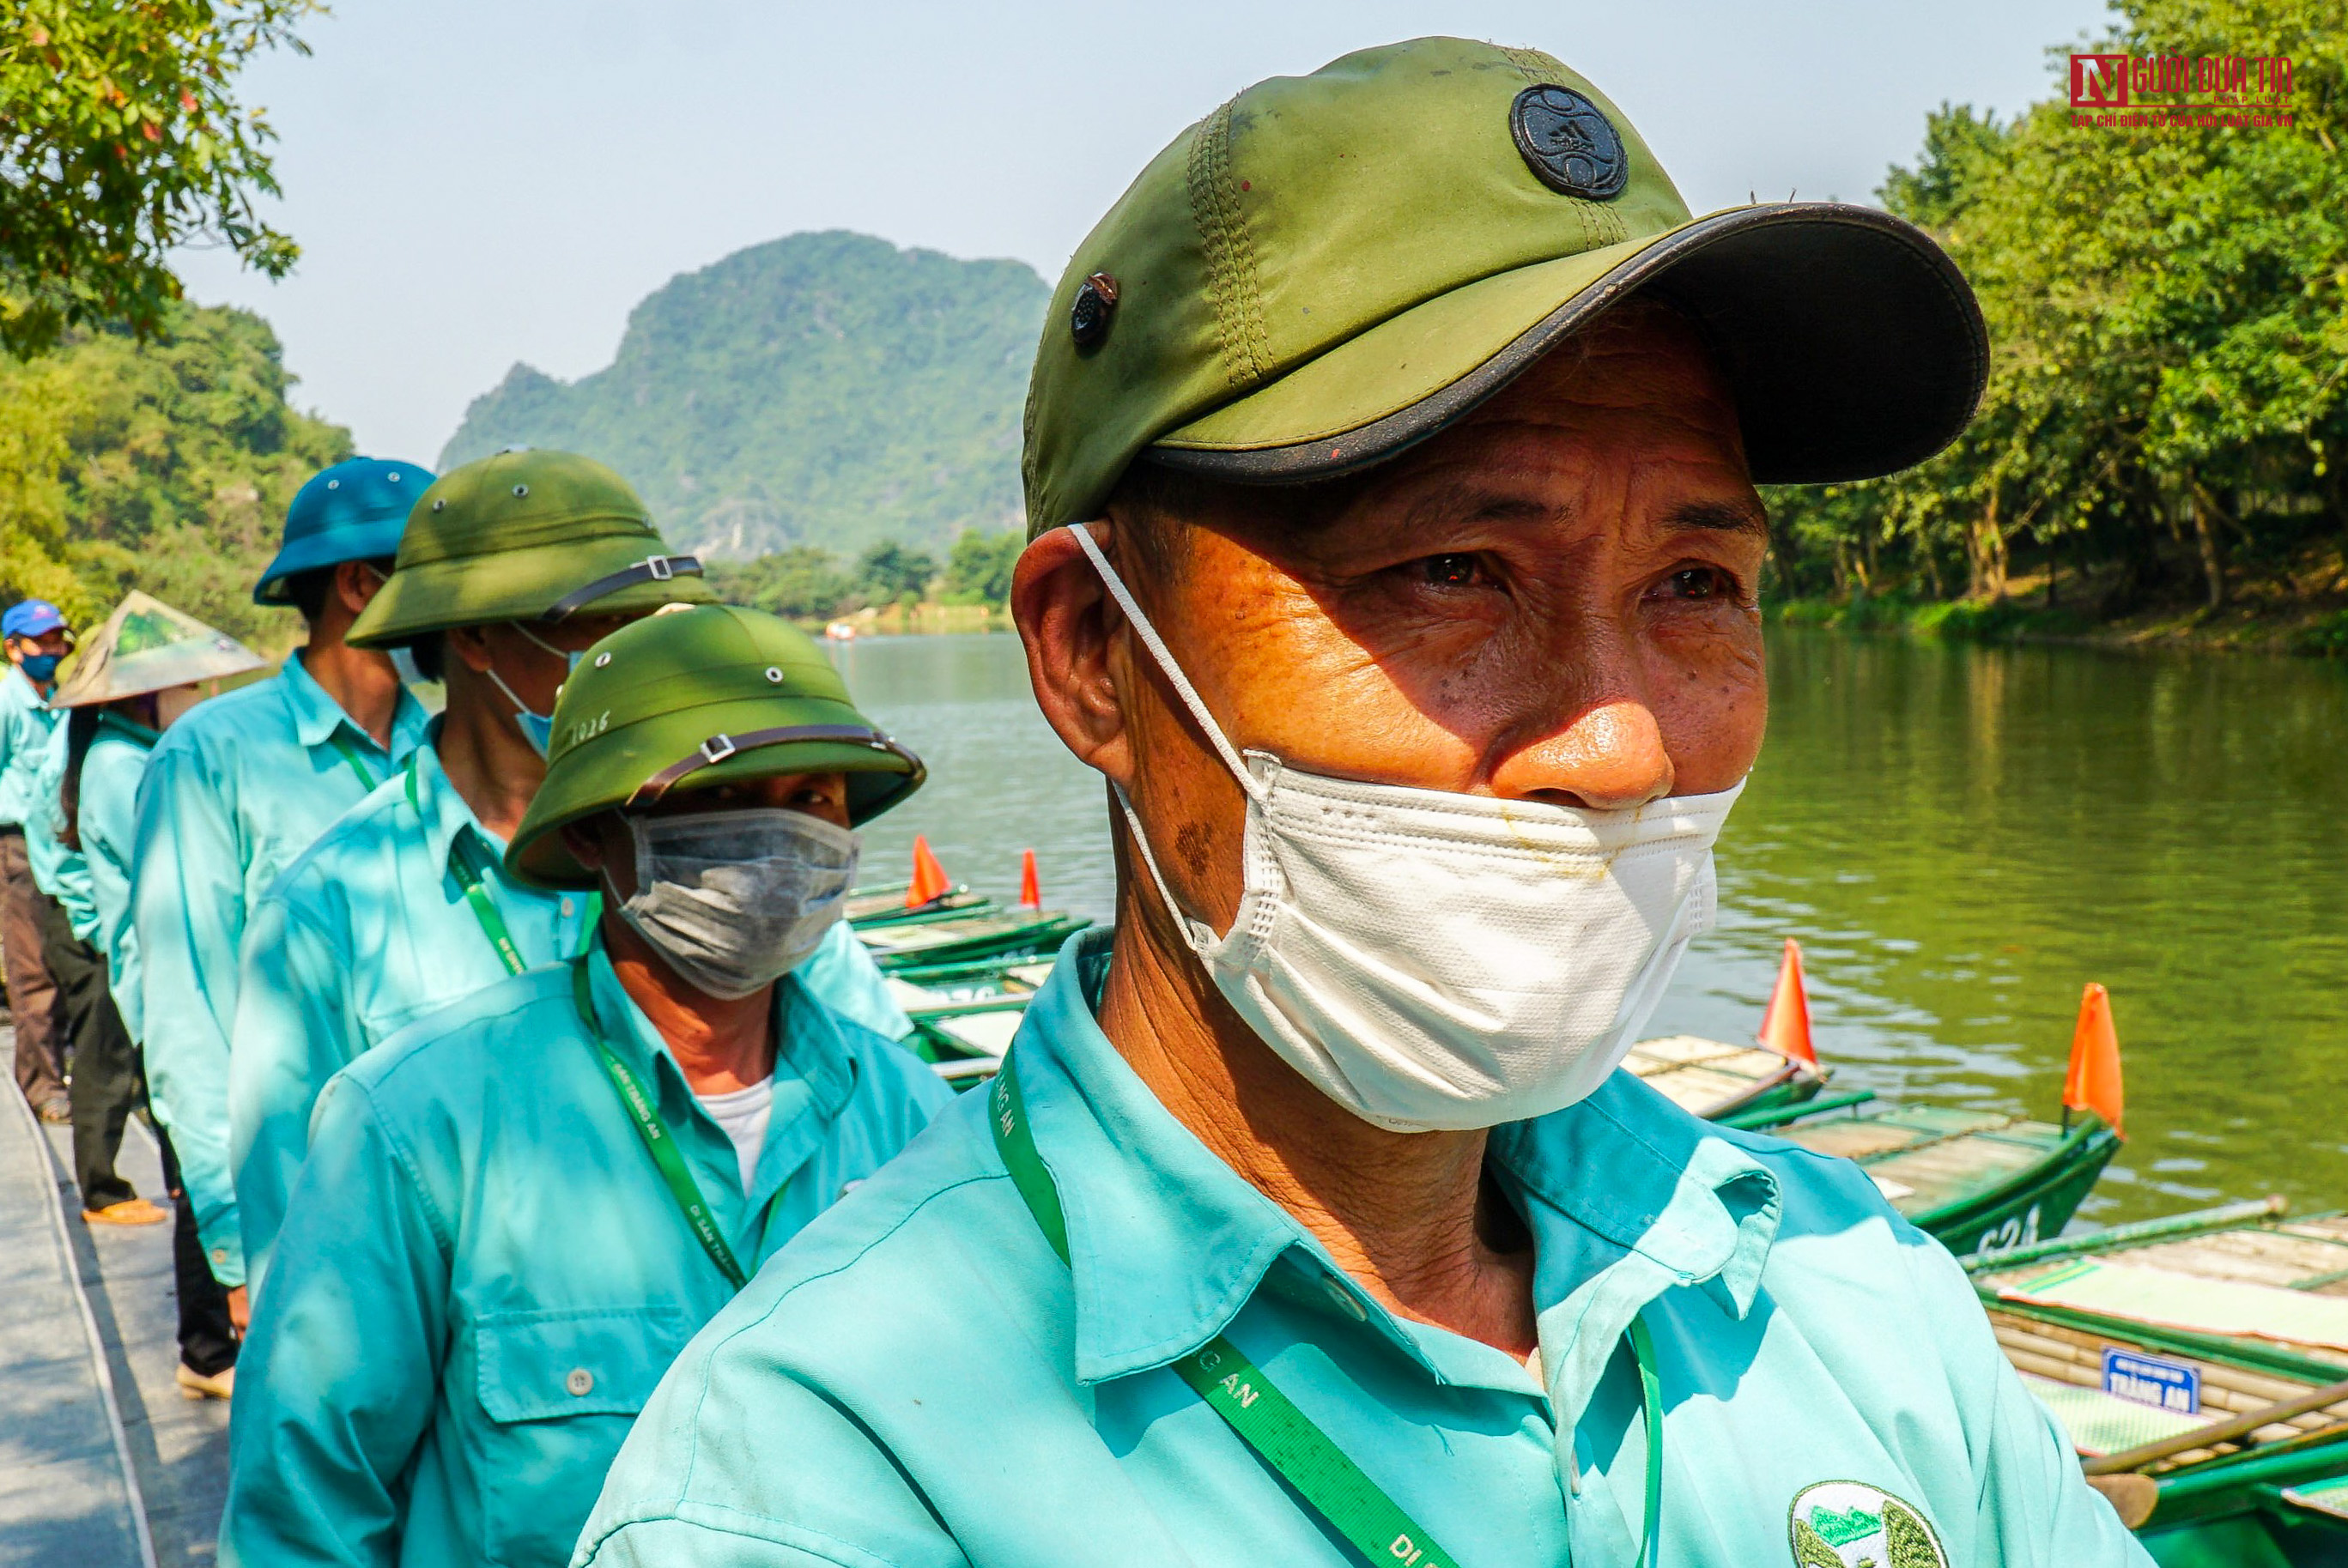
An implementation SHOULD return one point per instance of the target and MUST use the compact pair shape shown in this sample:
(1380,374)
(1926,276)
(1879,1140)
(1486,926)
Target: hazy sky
(475,182)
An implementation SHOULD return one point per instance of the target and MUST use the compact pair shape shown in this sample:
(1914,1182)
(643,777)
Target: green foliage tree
(978,568)
(121,137)
(2168,318)
(804,582)
(165,465)
(890,571)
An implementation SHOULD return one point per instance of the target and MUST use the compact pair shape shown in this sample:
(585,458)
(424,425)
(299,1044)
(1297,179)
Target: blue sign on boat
(2150,1380)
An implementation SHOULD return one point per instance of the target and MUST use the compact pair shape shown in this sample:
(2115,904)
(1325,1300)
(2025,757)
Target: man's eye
(1697,582)
(1449,570)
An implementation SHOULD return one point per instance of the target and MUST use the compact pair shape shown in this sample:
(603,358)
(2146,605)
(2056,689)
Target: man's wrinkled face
(1554,600)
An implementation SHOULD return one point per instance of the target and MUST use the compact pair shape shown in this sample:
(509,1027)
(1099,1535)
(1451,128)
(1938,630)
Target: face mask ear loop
(1198,933)
(570,659)
(1256,789)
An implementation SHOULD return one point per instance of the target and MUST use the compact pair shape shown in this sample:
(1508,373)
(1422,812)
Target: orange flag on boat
(1786,1026)
(1031,887)
(929,882)
(2094,1082)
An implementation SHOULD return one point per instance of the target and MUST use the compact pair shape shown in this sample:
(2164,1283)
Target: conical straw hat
(147,646)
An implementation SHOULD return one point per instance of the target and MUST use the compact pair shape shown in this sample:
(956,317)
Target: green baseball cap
(1329,268)
(699,696)
(525,535)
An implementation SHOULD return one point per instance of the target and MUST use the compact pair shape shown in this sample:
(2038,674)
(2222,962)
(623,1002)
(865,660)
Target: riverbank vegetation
(2162,441)
(810,583)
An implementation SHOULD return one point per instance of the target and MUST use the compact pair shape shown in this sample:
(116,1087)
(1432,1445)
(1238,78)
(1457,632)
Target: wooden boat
(1717,1081)
(963,937)
(2199,1364)
(884,904)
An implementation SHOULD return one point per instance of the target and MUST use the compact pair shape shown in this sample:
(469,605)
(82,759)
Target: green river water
(1960,836)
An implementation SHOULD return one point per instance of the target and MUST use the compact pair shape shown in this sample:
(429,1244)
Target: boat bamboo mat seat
(1924,1157)
(1702,1076)
(2306,1256)
(2099,1423)
(2165,1297)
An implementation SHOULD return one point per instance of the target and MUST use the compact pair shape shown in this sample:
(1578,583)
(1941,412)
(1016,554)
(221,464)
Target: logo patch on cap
(1848,1524)
(1570,146)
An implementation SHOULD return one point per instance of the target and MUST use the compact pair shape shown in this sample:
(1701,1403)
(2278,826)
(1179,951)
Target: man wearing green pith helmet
(509,567)
(514,1213)
(1391,455)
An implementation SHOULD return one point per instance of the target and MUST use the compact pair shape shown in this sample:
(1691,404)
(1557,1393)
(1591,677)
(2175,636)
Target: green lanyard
(1282,1436)
(471,874)
(342,743)
(636,1098)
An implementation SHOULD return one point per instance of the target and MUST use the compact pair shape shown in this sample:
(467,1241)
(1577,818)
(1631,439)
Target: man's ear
(470,646)
(1070,625)
(586,845)
(356,584)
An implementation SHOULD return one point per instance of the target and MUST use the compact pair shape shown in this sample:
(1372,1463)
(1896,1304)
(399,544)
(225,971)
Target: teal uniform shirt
(366,932)
(483,1275)
(920,1381)
(25,721)
(110,771)
(843,972)
(233,792)
(63,874)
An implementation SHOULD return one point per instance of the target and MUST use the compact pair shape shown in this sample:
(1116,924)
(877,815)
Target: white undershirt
(743,1114)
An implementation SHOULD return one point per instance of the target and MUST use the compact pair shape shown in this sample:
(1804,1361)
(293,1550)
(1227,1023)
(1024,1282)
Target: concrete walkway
(103,1464)
(69,1490)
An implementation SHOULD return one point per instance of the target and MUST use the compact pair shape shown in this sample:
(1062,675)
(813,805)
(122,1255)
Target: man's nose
(1608,757)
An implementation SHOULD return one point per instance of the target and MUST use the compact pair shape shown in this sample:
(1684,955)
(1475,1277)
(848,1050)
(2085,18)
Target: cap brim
(512,585)
(377,540)
(1851,342)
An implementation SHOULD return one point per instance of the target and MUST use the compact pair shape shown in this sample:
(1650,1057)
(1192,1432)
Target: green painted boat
(1975,1179)
(1003,934)
(2199,1364)
(884,904)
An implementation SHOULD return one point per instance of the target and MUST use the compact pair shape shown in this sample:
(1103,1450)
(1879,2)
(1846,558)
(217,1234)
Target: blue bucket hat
(352,511)
(30,618)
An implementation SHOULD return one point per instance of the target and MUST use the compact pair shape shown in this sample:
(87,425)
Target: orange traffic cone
(2093,1082)
(929,883)
(1031,887)
(1786,1026)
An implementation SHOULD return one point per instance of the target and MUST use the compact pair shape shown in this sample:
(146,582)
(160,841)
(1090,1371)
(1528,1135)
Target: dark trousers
(107,1084)
(33,999)
(207,1340)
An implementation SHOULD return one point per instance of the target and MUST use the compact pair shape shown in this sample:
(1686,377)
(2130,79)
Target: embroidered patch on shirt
(1849,1524)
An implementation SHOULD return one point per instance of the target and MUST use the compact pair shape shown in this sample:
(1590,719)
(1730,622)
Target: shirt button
(580,1382)
(566,908)
(219,1255)
(1345,1298)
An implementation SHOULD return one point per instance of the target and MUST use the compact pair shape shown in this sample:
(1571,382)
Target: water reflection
(1961,837)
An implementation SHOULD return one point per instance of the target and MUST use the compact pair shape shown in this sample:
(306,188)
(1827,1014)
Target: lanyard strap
(342,743)
(471,875)
(636,1098)
(1235,1389)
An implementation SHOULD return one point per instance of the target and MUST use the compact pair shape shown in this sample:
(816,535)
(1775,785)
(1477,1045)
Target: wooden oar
(2226,1431)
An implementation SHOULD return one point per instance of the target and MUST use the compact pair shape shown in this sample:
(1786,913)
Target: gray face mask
(736,899)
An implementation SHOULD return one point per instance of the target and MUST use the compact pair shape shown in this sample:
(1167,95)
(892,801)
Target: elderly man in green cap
(232,795)
(1391,455)
(515,1213)
(508,570)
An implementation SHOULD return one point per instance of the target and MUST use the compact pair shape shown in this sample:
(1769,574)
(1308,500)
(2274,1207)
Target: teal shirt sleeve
(110,795)
(188,908)
(292,1036)
(337,1381)
(844,977)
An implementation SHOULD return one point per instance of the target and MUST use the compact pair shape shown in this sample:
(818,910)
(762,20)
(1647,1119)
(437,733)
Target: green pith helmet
(696,697)
(525,535)
(1331,268)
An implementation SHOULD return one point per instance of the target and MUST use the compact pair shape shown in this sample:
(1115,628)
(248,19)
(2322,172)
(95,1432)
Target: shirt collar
(317,715)
(440,809)
(812,1065)
(1627,1197)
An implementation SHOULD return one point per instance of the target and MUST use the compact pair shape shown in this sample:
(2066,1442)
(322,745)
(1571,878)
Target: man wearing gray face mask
(514,1214)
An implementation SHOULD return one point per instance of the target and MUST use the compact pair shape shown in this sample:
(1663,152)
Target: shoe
(129,1212)
(195,1385)
(58,1111)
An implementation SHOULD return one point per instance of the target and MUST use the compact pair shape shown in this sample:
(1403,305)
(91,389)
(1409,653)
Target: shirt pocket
(560,1389)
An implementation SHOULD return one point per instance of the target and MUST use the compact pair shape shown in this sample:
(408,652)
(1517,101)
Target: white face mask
(734,900)
(1429,959)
